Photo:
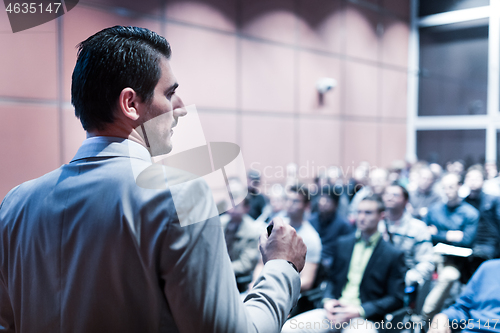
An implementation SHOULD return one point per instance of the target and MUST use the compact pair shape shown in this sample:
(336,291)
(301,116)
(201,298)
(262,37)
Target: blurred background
(408,80)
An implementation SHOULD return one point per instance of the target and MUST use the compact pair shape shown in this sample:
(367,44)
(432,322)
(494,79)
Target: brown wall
(250,67)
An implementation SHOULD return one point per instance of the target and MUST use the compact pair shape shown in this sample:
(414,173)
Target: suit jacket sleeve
(395,287)
(200,286)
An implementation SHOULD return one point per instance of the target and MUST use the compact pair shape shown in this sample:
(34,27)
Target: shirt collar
(107,146)
(371,241)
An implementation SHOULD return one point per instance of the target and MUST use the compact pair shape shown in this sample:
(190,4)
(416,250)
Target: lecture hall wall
(250,67)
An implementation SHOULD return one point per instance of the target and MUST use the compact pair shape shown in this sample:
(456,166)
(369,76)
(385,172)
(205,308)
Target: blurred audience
(328,223)
(367,278)
(422,208)
(242,238)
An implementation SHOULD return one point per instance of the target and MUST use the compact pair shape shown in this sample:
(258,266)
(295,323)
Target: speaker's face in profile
(161,114)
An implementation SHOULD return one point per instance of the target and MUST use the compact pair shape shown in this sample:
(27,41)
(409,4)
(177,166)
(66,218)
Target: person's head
(328,200)
(436,170)
(378,180)
(425,179)
(122,75)
(395,198)
(370,212)
(491,170)
(474,179)
(297,200)
(277,198)
(451,184)
(253,179)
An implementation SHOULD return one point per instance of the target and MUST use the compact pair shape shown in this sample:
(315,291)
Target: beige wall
(250,67)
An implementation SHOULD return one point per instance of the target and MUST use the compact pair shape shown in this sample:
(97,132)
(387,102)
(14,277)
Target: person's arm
(460,310)
(200,286)
(307,276)
(469,230)
(424,259)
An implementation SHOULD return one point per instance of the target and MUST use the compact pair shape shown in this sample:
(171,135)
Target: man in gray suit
(85,249)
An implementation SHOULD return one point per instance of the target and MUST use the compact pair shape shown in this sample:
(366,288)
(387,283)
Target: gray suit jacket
(84,249)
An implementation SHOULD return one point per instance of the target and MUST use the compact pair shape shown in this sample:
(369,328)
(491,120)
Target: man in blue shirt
(478,308)
(454,223)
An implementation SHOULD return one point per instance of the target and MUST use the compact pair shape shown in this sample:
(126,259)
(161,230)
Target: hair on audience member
(302,190)
(477,167)
(330,192)
(406,195)
(109,61)
(378,200)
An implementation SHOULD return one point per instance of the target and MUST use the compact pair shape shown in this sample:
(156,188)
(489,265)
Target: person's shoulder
(308,229)
(390,250)
(254,227)
(417,227)
(24,191)
(345,239)
(490,267)
(468,210)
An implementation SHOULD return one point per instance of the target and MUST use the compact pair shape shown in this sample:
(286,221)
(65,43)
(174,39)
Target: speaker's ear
(129,103)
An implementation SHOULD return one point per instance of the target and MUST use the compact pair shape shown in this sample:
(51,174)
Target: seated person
(242,239)
(478,307)
(424,195)
(367,278)
(407,234)
(487,242)
(297,201)
(454,223)
(329,225)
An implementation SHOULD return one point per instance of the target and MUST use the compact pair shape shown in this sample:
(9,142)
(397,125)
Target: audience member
(329,225)
(487,242)
(367,278)
(453,223)
(407,234)
(424,195)
(376,185)
(296,204)
(242,234)
(257,199)
(478,307)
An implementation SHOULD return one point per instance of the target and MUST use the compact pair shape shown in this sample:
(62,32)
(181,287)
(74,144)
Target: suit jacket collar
(106,146)
(374,257)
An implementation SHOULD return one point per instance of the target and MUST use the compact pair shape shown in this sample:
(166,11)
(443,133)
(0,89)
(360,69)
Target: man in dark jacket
(486,245)
(329,225)
(367,279)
